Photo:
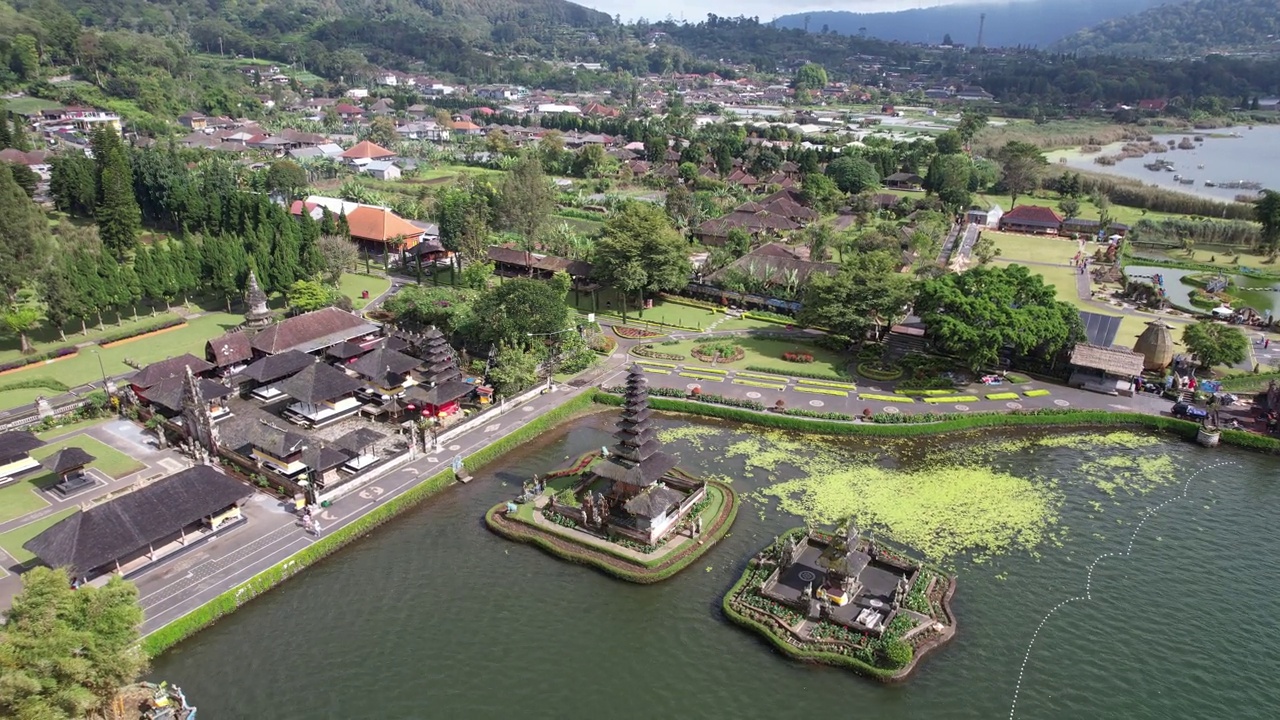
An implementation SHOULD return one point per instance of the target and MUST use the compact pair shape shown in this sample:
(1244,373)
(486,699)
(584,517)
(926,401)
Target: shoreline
(161,639)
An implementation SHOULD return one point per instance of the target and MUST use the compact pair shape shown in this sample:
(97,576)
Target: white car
(1222,312)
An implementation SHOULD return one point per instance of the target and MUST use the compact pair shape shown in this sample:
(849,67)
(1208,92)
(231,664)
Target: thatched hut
(1155,344)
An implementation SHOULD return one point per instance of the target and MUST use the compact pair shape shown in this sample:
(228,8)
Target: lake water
(1254,156)
(1259,294)
(432,616)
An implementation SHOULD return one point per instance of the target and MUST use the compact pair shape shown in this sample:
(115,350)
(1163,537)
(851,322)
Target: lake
(1252,156)
(432,616)
(1258,293)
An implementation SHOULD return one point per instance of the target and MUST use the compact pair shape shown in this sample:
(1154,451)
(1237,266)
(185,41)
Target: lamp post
(103,369)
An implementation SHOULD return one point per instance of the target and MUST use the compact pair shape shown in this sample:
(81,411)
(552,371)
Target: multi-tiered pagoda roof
(637,459)
(439,364)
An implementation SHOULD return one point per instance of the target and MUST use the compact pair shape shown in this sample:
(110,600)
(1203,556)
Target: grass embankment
(353,284)
(954,423)
(165,637)
(722,510)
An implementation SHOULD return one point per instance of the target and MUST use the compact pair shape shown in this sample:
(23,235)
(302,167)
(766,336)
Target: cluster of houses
(1041,220)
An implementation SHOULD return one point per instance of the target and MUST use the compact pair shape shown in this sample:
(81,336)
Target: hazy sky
(696,10)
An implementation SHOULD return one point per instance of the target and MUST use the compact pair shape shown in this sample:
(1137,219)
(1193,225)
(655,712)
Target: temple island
(629,510)
(844,599)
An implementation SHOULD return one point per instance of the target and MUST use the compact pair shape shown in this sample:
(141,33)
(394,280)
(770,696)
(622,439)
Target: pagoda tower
(439,363)
(637,437)
(258,315)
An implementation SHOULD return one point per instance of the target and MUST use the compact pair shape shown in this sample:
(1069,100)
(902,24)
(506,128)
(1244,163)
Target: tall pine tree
(117,213)
(24,245)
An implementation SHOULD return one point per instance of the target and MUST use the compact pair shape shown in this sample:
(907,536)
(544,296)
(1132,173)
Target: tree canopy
(976,314)
(65,652)
(1267,212)
(507,314)
(853,174)
(640,251)
(1215,344)
(867,291)
(1021,164)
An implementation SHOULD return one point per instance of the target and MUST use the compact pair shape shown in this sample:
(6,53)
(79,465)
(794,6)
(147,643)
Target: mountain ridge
(1194,28)
(1035,23)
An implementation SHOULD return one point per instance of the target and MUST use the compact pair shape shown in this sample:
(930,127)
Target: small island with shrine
(845,599)
(629,510)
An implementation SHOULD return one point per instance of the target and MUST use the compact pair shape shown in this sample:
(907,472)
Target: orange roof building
(380,225)
(365,150)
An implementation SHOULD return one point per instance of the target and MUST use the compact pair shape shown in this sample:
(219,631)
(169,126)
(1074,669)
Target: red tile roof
(366,149)
(376,224)
(1032,215)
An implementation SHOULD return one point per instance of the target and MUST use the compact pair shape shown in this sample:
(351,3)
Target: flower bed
(720,351)
(1003,396)
(885,398)
(819,415)
(754,383)
(602,344)
(797,357)
(821,391)
(635,333)
(649,352)
(951,399)
(873,371)
(1036,393)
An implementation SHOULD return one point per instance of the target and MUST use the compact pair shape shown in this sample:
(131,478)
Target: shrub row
(811,374)
(1257,381)
(690,302)
(819,415)
(929,383)
(205,615)
(649,352)
(770,317)
(115,337)
(38,357)
(868,370)
(904,425)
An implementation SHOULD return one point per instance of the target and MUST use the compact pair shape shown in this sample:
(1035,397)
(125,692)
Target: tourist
(316,526)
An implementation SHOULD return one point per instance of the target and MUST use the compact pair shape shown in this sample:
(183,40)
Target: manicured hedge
(115,337)
(226,603)
(36,382)
(38,357)
(866,370)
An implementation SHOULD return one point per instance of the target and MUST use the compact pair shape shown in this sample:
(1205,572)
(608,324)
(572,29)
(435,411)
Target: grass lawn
(1218,256)
(609,303)
(110,461)
(767,353)
(22,496)
(83,368)
(70,428)
(12,541)
(1042,249)
(47,338)
(353,284)
(30,104)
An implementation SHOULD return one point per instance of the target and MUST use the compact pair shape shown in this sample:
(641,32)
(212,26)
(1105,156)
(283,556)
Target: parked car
(1188,411)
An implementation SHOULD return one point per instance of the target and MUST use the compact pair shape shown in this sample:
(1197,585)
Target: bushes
(116,337)
(897,653)
(928,383)
(770,317)
(38,357)
(797,357)
(719,351)
(602,344)
(635,333)
(37,382)
(1172,231)
(819,415)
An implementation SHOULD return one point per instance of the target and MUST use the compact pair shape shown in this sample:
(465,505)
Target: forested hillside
(1192,29)
(1035,23)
